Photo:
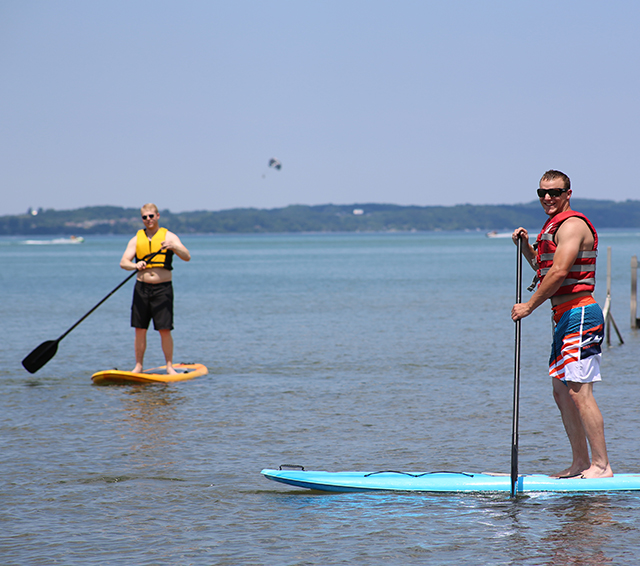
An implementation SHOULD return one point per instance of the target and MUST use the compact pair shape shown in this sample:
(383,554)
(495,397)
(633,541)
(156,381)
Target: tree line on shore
(320,218)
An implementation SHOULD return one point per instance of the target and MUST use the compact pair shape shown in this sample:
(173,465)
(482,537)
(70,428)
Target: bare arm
(570,237)
(129,255)
(173,243)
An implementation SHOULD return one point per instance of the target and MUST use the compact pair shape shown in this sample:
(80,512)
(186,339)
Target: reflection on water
(581,535)
(151,413)
(151,406)
(549,529)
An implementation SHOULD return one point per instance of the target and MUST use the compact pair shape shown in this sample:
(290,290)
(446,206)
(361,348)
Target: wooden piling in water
(635,322)
(606,311)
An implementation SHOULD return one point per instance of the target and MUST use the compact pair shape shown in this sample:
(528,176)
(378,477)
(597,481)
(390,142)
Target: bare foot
(170,370)
(137,369)
(598,472)
(571,472)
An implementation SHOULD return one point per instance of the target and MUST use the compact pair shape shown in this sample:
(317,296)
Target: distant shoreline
(357,217)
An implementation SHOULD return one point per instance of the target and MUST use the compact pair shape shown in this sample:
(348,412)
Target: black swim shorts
(152,301)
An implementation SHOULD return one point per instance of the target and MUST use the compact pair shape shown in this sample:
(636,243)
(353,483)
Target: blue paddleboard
(446,482)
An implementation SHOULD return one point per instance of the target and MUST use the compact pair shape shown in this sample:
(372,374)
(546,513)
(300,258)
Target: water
(336,352)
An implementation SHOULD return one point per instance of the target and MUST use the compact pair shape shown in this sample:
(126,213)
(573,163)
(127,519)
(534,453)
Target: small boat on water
(69,240)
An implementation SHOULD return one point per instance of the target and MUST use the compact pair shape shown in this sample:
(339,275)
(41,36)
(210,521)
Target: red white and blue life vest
(582,275)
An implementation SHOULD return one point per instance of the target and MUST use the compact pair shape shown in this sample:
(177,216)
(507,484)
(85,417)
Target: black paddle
(43,353)
(516,378)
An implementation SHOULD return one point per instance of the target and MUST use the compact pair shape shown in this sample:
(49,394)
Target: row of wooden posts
(608,317)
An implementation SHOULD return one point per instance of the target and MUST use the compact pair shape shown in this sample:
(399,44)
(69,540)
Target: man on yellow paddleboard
(153,293)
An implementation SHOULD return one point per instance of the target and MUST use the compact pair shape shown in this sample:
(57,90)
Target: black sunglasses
(148,216)
(544,192)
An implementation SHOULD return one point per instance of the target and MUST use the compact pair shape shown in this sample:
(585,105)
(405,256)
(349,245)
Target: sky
(123,102)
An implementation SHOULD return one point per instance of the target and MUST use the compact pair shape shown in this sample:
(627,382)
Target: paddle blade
(40,356)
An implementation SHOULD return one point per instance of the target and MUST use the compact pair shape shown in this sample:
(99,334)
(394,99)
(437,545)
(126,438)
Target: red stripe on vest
(577,279)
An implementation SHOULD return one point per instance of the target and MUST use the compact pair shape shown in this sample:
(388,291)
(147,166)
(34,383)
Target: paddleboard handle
(417,475)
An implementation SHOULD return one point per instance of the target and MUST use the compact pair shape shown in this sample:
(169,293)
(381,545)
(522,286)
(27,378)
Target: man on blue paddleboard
(564,257)
(151,252)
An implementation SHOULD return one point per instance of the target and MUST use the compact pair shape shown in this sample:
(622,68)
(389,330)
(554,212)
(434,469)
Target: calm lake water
(336,352)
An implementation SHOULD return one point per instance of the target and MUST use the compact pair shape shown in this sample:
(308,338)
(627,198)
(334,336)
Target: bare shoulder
(575,229)
(130,250)
(573,225)
(171,237)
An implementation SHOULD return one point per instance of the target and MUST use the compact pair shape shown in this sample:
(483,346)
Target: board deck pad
(155,375)
(446,482)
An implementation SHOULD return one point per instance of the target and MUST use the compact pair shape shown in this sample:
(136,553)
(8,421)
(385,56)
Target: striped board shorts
(576,349)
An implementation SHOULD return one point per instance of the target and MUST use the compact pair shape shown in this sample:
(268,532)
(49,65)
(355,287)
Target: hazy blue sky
(407,102)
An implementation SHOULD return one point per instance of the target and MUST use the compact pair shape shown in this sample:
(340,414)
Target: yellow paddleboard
(155,375)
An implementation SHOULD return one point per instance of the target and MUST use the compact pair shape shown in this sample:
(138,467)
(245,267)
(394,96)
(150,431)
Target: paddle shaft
(45,351)
(516,376)
(96,306)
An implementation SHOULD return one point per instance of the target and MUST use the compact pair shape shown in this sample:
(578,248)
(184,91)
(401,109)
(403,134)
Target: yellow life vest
(145,247)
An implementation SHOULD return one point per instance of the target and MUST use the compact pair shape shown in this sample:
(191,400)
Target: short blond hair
(149,206)
(554,174)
